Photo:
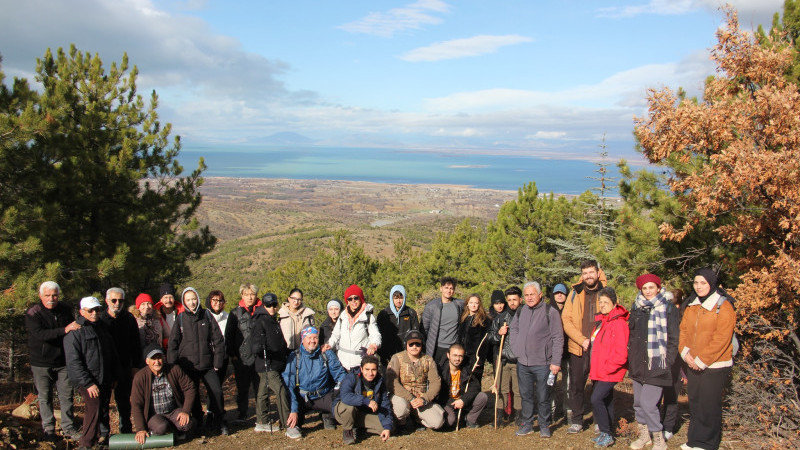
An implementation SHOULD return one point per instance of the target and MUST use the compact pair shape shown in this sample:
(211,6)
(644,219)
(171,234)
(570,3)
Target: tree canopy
(92,192)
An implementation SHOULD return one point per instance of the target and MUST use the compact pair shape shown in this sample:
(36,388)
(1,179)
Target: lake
(402,166)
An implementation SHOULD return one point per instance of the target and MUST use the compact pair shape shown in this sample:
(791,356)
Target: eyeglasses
(297,299)
(353,298)
(415,344)
(217,300)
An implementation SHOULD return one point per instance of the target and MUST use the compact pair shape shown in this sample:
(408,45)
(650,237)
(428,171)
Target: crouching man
(414,382)
(162,396)
(364,402)
(310,377)
(461,389)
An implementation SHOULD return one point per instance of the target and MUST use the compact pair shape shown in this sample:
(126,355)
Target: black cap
(166,289)
(498,296)
(269,299)
(152,350)
(413,335)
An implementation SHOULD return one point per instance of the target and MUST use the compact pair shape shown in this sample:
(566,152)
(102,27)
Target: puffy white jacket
(348,339)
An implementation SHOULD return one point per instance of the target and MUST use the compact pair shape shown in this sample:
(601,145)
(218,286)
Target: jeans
(44,378)
(533,382)
(603,405)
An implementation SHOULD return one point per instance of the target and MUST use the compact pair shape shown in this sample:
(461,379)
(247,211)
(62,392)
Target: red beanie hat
(353,290)
(143,298)
(648,278)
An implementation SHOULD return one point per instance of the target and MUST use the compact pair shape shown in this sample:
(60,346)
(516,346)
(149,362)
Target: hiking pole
(498,368)
(477,360)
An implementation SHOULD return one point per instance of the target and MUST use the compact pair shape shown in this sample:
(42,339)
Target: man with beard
(578,320)
(125,334)
(168,309)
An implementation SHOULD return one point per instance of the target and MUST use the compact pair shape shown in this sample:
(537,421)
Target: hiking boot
(575,428)
(545,432)
(293,433)
(266,428)
(241,417)
(658,441)
(644,438)
(604,440)
(471,424)
(524,430)
(328,423)
(348,437)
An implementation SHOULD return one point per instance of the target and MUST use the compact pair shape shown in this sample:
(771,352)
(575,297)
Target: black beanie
(498,296)
(166,289)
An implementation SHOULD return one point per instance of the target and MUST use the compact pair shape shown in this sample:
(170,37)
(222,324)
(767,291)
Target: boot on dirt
(658,441)
(644,438)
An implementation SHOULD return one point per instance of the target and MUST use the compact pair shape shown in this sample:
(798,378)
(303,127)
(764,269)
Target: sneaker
(667,435)
(293,433)
(604,440)
(265,428)
(689,447)
(596,429)
(524,430)
(471,424)
(545,432)
(223,430)
(348,437)
(575,428)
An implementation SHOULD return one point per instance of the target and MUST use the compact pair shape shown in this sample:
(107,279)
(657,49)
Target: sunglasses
(415,344)
(115,300)
(271,305)
(353,298)
(93,310)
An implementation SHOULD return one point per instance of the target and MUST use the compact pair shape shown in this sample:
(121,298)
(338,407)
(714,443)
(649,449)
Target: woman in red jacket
(609,361)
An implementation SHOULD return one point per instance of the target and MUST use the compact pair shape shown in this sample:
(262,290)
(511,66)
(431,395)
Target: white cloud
(549,135)
(460,48)
(410,17)
(751,12)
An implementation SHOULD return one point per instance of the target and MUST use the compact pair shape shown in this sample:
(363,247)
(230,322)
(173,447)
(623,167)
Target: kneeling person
(461,389)
(364,402)
(162,396)
(310,376)
(414,382)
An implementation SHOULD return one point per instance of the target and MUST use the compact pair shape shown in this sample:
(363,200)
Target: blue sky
(517,77)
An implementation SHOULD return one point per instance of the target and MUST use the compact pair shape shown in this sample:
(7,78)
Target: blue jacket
(317,376)
(350,394)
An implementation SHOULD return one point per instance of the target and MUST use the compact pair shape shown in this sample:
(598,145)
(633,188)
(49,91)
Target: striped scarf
(656,328)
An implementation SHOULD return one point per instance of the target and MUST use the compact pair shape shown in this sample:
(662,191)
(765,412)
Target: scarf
(353,315)
(656,328)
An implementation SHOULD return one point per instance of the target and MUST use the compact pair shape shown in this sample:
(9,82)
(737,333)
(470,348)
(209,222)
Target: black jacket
(470,337)
(195,342)
(91,356)
(637,347)
(241,324)
(494,338)
(325,330)
(393,330)
(125,334)
(267,343)
(468,393)
(46,333)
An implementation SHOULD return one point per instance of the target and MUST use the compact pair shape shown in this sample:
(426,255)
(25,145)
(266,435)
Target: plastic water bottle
(551,379)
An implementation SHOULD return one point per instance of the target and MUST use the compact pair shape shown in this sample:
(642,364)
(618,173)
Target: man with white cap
(161,397)
(92,366)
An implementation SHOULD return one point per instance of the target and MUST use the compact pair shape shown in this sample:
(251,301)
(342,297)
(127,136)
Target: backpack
(297,365)
(734,340)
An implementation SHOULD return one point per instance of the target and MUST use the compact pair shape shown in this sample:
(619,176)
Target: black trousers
(705,406)
(246,378)
(578,374)
(213,389)
(122,397)
(603,405)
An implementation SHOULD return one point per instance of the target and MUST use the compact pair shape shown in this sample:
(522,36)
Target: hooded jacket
(637,346)
(609,354)
(317,375)
(350,393)
(393,324)
(46,333)
(351,338)
(195,342)
(267,344)
(91,356)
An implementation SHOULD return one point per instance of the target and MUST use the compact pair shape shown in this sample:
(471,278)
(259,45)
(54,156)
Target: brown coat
(409,381)
(141,393)
(707,335)
(572,315)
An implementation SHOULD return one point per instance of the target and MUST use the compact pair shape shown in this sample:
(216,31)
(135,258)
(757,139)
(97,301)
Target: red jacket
(610,346)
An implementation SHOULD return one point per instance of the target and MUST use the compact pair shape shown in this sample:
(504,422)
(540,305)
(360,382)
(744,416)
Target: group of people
(387,372)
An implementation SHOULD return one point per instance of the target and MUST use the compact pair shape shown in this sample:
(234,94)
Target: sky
(505,76)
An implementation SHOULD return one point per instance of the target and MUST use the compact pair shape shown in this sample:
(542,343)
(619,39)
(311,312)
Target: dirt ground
(25,434)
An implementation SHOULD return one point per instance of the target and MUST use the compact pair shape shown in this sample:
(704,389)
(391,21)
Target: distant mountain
(286,138)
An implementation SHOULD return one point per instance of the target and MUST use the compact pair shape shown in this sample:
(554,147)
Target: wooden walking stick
(498,368)
(475,366)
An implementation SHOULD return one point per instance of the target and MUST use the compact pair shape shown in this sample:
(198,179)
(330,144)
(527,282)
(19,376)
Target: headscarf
(397,288)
